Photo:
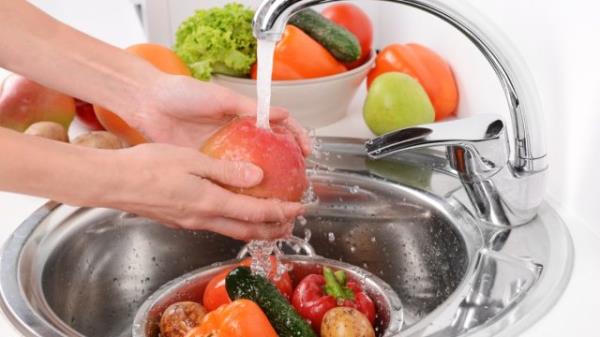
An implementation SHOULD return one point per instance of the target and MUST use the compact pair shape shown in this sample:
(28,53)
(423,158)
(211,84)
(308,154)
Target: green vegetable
(340,42)
(217,40)
(335,284)
(241,283)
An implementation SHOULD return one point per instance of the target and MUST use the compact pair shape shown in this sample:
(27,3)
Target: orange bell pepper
(298,56)
(427,67)
(241,318)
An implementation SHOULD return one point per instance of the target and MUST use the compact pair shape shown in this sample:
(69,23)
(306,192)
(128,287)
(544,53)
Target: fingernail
(252,174)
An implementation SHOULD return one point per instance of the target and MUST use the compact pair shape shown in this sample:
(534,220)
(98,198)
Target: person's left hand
(184,111)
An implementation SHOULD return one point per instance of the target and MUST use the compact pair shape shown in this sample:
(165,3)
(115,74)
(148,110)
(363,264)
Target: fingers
(278,114)
(236,229)
(246,208)
(242,230)
(241,105)
(301,135)
(231,173)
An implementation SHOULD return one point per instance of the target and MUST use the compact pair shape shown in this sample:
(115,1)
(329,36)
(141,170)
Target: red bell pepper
(316,294)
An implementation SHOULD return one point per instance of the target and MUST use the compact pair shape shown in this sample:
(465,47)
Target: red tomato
(358,23)
(86,114)
(427,67)
(216,295)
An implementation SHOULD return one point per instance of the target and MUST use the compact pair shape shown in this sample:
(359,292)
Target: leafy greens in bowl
(217,40)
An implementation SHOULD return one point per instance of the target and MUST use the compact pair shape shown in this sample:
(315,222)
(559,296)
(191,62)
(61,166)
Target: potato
(99,140)
(346,322)
(181,317)
(49,130)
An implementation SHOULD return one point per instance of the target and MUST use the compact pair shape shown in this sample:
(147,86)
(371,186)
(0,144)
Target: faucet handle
(477,146)
(473,129)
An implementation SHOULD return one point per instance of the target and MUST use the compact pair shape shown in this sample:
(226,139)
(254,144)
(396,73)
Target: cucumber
(241,283)
(342,44)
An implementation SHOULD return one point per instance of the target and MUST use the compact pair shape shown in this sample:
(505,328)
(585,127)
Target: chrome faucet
(504,176)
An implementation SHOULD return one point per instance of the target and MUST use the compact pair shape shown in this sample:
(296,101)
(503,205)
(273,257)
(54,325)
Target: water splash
(260,252)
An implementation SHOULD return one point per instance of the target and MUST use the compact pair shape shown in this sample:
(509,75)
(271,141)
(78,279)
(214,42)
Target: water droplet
(302,220)
(331,237)
(307,234)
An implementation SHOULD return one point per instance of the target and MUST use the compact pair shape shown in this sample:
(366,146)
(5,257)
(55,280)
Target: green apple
(396,100)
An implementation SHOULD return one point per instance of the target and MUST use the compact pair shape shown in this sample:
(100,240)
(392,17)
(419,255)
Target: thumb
(231,173)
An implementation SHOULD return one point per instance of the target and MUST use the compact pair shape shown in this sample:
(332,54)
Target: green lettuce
(217,40)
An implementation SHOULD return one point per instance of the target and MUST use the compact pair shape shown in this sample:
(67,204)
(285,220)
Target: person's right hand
(178,187)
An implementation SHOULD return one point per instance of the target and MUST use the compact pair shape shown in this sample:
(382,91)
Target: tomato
(216,295)
(426,66)
(358,23)
(298,56)
(86,114)
(162,58)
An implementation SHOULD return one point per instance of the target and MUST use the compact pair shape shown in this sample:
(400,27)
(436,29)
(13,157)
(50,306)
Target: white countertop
(576,311)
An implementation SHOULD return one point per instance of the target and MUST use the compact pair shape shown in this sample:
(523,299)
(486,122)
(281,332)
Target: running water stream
(265,52)
(261,250)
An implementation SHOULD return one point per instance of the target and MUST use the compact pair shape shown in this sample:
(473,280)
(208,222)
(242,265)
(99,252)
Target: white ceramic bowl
(315,102)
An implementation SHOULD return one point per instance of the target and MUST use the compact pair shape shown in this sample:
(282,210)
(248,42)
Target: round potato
(346,322)
(181,317)
(99,140)
(49,130)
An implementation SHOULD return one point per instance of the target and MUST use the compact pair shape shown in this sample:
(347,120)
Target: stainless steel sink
(70,271)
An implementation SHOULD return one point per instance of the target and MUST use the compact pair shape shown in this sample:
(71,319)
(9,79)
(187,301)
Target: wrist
(141,98)
(95,178)
(110,180)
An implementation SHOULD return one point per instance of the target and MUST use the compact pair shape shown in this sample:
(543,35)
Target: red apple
(87,116)
(275,151)
(24,102)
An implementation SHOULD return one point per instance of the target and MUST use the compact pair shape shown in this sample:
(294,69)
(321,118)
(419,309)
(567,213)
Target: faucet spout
(272,16)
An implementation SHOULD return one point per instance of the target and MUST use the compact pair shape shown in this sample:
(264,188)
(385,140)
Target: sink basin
(70,271)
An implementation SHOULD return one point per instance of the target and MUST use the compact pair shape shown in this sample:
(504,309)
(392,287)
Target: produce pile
(220,41)
(409,85)
(29,107)
(238,303)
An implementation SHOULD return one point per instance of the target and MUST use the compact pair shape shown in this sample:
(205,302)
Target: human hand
(174,185)
(184,111)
